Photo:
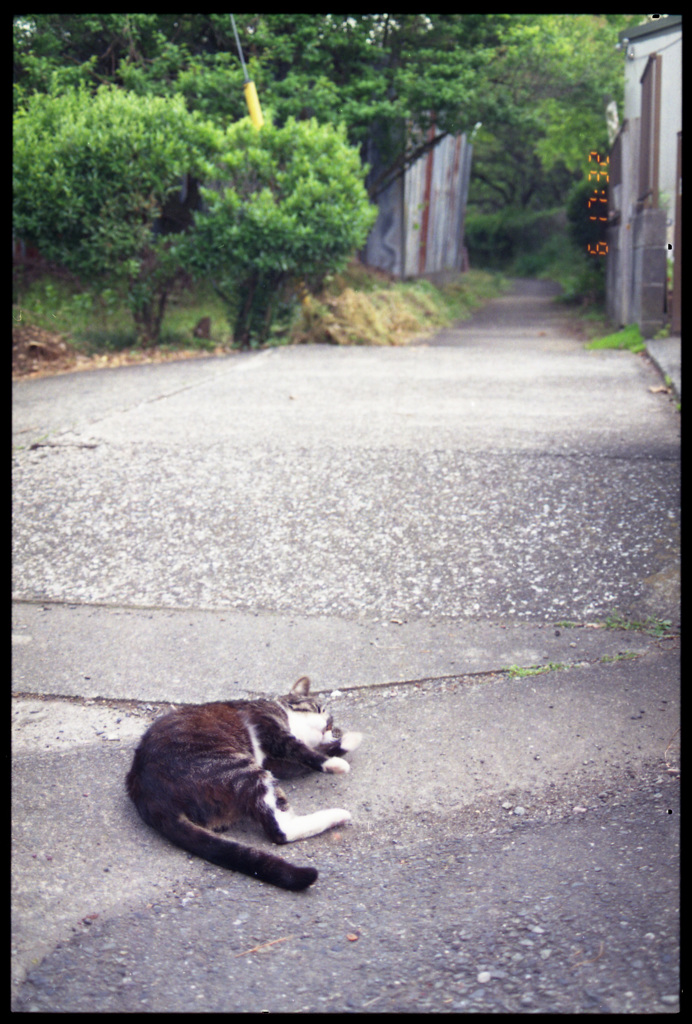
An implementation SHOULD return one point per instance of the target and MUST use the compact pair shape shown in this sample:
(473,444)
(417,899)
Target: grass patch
(98,322)
(651,625)
(377,317)
(628,338)
(361,307)
(517,672)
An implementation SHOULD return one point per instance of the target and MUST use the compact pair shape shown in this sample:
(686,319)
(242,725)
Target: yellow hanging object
(253,104)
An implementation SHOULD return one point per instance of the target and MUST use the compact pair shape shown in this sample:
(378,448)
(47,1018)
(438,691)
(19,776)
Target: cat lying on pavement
(201,767)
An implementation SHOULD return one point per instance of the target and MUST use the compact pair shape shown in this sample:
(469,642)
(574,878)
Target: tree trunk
(243,321)
(148,294)
(149,317)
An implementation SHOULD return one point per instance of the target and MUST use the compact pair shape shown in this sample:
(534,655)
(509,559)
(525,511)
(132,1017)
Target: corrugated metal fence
(420,227)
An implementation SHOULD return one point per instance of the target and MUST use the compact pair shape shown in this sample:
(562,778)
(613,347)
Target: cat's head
(307,718)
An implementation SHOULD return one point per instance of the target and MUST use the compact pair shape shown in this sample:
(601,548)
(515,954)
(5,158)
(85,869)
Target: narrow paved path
(402,525)
(527,308)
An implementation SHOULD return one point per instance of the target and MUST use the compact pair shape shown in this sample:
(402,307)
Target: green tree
(91,179)
(289,207)
(552,79)
(360,70)
(537,83)
(544,76)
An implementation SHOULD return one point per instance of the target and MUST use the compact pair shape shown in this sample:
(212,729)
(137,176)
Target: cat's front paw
(336,766)
(350,740)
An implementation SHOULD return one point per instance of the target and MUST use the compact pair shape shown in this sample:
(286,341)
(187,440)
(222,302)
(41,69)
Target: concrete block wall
(649,270)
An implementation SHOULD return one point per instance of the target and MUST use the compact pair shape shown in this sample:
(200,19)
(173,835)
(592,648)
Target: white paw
(339,816)
(350,740)
(305,825)
(336,766)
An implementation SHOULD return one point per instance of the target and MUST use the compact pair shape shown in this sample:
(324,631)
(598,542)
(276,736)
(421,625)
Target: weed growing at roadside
(651,625)
(517,672)
(628,338)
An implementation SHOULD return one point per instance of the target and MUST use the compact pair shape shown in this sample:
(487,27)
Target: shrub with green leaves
(91,176)
(289,208)
(496,241)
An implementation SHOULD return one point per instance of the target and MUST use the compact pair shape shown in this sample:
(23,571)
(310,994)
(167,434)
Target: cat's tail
(228,854)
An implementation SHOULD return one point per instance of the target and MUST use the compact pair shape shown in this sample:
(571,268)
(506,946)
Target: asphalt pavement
(471,546)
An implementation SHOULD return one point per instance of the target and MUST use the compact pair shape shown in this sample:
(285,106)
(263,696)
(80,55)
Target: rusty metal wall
(420,227)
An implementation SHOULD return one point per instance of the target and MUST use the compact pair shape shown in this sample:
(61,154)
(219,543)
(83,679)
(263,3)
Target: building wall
(641,237)
(622,200)
(668,42)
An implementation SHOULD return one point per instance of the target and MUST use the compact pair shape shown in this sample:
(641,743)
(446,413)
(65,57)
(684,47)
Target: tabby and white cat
(199,768)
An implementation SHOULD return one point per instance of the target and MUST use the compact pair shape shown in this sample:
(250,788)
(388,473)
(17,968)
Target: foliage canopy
(538,83)
(532,88)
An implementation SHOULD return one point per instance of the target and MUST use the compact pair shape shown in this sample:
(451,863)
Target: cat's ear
(301,688)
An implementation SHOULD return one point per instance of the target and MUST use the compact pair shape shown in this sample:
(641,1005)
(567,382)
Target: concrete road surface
(472,546)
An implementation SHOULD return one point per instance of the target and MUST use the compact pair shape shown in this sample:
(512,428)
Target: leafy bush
(289,208)
(497,240)
(91,177)
(548,244)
